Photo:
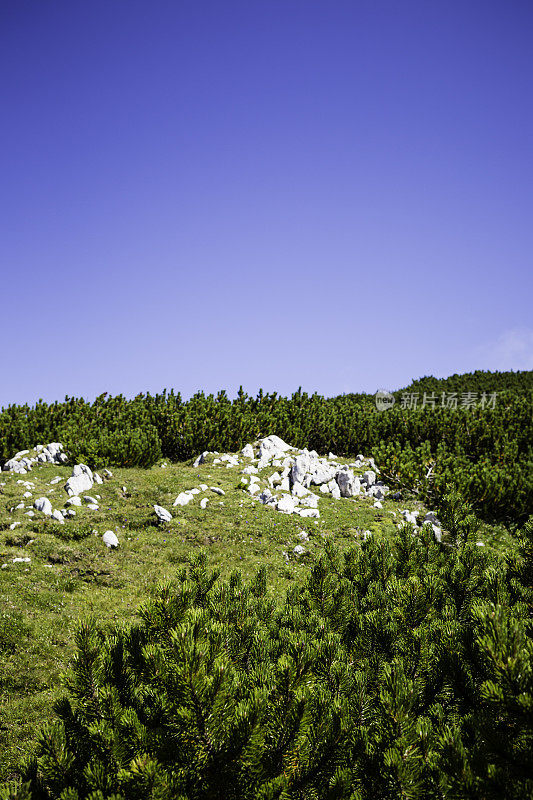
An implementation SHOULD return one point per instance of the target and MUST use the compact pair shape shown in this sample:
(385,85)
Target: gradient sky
(199,194)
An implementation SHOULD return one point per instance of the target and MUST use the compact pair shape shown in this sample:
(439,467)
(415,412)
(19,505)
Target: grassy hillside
(72,574)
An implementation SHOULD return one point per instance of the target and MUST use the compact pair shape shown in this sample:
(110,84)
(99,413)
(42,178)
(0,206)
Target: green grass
(72,574)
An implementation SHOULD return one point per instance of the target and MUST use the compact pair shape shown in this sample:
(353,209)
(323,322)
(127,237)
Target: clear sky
(327,193)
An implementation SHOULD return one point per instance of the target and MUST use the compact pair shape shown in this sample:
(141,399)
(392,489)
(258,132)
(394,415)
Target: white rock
(311,501)
(285,485)
(217,490)
(88,499)
(299,550)
(70,512)
(253,488)
(194,491)
(251,470)
(348,484)
(27,494)
(22,560)
(410,516)
(30,513)
(298,490)
(203,502)
(303,536)
(110,539)
(81,480)
(216,461)
(325,488)
(437,532)
(369,477)
(108,473)
(377,504)
(201,458)
(336,492)
(323,475)
(275,479)
(266,497)
(300,467)
(14,466)
(97,479)
(182,499)
(309,512)
(247,451)
(43,504)
(74,501)
(14,525)
(93,506)
(57,516)
(286,504)
(271,447)
(162,514)
(203,487)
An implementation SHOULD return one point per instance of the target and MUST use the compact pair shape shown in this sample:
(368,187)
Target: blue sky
(199,195)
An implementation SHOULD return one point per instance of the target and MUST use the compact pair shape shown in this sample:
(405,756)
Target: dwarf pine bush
(402,669)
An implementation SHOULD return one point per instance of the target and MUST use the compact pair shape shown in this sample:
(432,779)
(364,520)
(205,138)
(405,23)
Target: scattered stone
(299,550)
(43,504)
(25,560)
(110,539)
(162,514)
(348,484)
(74,501)
(14,525)
(203,502)
(201,458)
(311,501)
(217,490)
(251,470)
(182,499)
(309,512)
(248,451)
(369,477)
(81,480)
(286,504)
(57,516)
(88,499)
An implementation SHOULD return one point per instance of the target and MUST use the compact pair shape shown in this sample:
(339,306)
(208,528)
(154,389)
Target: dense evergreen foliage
(403,669)
(478,381)
(485,450)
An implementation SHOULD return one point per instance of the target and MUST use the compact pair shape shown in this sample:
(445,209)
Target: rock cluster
(298,473)
(428,519)
(23,462)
